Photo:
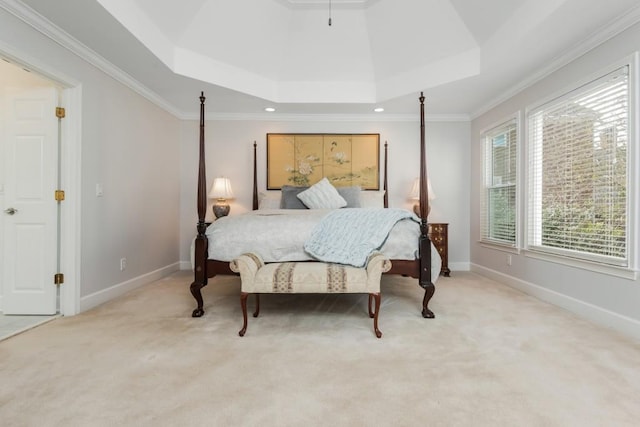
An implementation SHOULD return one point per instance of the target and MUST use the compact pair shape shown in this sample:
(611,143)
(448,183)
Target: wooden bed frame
(205,269)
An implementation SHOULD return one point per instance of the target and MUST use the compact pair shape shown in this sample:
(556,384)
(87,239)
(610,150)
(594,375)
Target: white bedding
(279,235)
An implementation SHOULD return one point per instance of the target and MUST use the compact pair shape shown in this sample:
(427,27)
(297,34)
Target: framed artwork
(302,159)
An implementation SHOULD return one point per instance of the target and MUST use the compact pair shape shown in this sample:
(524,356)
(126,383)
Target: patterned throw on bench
(309,277)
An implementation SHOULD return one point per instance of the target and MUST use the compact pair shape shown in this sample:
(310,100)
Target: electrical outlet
(508,259)
(123,264)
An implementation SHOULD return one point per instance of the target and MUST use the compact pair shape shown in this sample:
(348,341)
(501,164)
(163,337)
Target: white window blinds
(577,200)
(498,213)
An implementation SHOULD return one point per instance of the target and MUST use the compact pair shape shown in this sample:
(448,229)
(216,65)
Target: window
(578,172)
(498,222)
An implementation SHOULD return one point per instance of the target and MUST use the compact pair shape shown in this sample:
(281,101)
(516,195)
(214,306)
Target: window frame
(584,260)
(491,131)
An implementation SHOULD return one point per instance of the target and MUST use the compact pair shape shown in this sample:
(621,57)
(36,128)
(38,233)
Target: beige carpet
(492,357)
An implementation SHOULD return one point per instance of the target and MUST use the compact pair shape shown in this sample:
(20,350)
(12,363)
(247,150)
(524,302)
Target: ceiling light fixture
(378,109)
(329,12)
(269,109)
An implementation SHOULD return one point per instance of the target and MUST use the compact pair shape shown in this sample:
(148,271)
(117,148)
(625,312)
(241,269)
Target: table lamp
(221,191)
(415,195)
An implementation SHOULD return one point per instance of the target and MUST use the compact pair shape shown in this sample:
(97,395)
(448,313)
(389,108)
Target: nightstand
(439,235)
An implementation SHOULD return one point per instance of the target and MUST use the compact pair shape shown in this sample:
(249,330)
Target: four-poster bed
(418,266)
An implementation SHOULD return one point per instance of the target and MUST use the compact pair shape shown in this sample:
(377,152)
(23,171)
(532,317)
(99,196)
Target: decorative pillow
(372,199)
(351,195)
(322,195)
(289,197)
(269,200)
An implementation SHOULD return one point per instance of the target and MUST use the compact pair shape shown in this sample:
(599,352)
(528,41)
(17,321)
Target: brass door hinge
(60,112)
(59,195)
(58,278)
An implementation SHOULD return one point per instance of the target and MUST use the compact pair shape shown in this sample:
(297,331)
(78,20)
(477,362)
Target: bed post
(385,184)
(425,242)
(201,243)
(255,176)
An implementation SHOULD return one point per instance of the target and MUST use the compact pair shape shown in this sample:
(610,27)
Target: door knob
(10,211)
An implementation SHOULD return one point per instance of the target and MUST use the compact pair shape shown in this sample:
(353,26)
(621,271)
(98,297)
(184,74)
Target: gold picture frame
(302,159)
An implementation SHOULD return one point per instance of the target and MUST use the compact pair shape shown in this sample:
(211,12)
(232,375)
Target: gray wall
(229,151)
(604,298)
(131,147)
(146,161)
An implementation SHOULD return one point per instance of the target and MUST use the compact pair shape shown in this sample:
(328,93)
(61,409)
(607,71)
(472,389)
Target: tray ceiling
(253,52)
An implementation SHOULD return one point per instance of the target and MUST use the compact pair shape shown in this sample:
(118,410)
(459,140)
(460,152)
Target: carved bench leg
(243,304)
(257,312)
(376,297)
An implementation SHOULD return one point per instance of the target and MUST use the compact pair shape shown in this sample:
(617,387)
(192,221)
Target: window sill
(612,270)
(499,247)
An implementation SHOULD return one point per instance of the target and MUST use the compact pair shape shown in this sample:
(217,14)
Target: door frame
(71,176)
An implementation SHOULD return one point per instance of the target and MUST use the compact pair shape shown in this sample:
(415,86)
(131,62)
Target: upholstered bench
(309,277)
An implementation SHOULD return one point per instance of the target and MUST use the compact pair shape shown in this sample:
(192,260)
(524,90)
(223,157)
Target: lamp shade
(415,190)
(221,189)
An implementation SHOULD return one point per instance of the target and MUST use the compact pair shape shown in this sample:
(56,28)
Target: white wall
(229,152)
(146,162)
(607,299)
(131,147)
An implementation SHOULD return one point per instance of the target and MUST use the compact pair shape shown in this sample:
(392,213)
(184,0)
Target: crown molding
(379,118)
(64,39)
(61,37)
(606,33)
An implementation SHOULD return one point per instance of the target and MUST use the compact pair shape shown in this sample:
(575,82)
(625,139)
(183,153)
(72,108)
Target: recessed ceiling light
(269,109)
(378,110)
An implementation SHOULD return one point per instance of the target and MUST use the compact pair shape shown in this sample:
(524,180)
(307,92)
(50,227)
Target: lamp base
(221,209)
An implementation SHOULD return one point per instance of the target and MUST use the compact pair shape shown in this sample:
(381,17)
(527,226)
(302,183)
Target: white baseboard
(599,315)
(185,265)
(100,297)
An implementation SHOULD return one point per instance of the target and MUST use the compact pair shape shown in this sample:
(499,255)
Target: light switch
(99,190)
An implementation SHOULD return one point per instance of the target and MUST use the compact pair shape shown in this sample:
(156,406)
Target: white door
(29,211)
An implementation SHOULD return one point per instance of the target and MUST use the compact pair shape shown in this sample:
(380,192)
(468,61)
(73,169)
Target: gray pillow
(351,195)
(290,199)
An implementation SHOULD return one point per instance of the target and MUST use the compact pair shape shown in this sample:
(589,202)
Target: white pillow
(322,195)
(269,200)
(372,199)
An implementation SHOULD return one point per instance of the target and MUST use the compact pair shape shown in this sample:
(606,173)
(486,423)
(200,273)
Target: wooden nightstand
(439,235)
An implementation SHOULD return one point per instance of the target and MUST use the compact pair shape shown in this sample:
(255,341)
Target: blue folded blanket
(349,236)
